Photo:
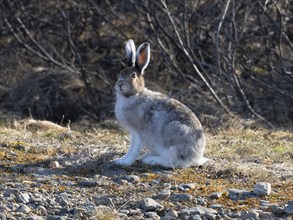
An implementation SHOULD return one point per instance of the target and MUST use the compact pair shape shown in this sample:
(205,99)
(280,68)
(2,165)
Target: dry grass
(242,158)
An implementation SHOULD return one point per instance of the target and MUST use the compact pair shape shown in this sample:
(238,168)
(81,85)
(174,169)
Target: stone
(181,188)
(238,194)
(171,214)
(217,206)
(249,214)
(11,191)
(54,165)
(54,217)
(152,215)
(165,194)
(63,211)
(103,200)
(23,209)
(216,195)
(188,185)
(262,189)
(210,216)
(87,183)
(188,212)
(201,201)
(277,210)
(35,217)
(289,208)
(132,178)
(198,210)
(148,204)
(23,198)
(266,215)
(180,197)
(122,182)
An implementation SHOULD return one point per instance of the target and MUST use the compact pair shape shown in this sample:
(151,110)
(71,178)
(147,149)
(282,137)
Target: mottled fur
(169,130)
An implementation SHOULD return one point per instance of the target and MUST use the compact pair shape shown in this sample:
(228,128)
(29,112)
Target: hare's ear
(142,56)
(130,52)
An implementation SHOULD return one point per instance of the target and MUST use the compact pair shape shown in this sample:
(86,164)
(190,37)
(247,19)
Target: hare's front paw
(122,162)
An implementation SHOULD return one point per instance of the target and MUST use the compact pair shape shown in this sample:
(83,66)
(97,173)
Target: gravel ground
(81,183)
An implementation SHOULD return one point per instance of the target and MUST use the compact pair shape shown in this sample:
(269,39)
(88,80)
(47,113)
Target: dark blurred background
(224,59)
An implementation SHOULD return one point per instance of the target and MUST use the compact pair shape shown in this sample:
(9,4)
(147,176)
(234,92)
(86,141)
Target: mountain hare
(168,129)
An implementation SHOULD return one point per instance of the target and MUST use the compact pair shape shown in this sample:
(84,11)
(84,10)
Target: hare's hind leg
(157,160)
(164,159)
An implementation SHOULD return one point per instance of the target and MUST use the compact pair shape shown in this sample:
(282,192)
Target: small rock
(181,188)
(167,185)
(122,182)
(201,201)
(171,214)
(216,195)
(54,217)
(22,148)
(266,215)
(11,191)
(103,200)
(277,210)
(289,208)
(23,198)
(132,178)
(152,215)
(180,197)
(124,211)
(262,189)
(198,210)
(87,183)
(24,209)
(148,204)
(188,185)
(54,165)
(217,206)
(238,194)
(63,211)
(210,216)
(249,215)
(34,218)
(165,194)
(155,182)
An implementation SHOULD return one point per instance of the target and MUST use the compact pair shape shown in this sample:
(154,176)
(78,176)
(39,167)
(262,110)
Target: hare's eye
(133,75)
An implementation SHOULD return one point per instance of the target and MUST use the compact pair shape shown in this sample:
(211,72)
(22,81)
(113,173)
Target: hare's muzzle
(120,83)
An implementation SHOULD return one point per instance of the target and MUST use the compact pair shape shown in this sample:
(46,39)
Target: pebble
(165,194)
(171,214)
(180,197)
(216,195)
(132,178)
(87,183)
(54,165)
(262,189)
(289,209)
(239,194)
(23,198)
(201,201)
(249,215)
(103,200)
(152,215)
(148,204)
(23,209)
(188,185)
(35,217)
